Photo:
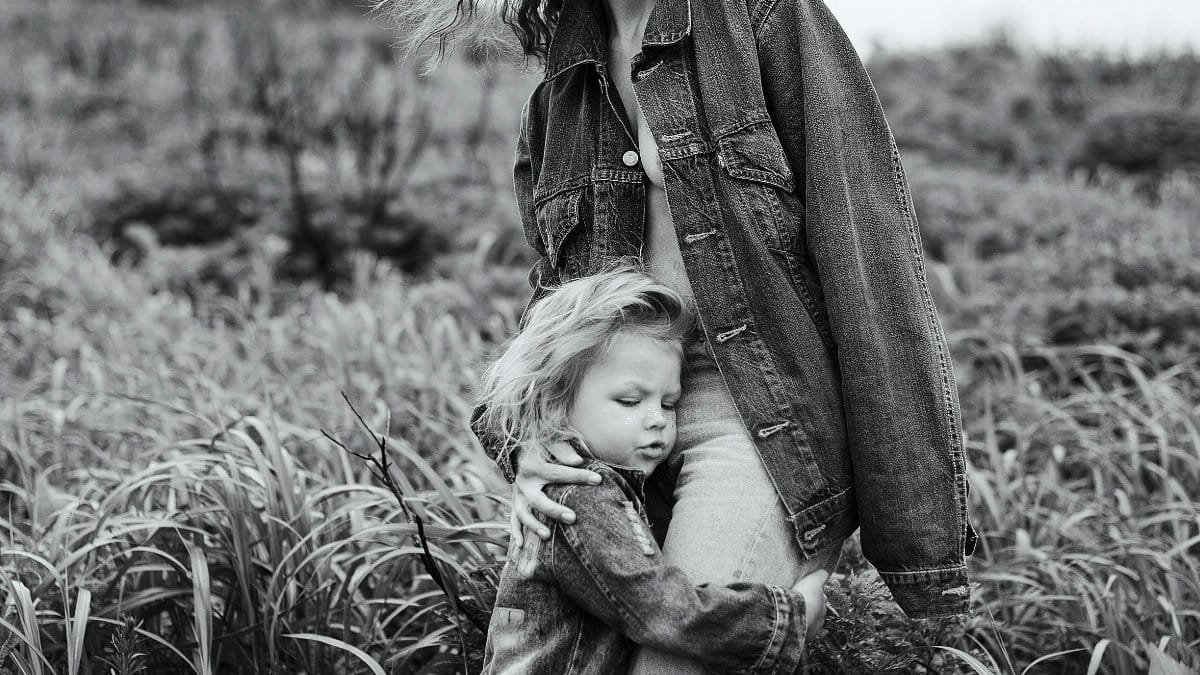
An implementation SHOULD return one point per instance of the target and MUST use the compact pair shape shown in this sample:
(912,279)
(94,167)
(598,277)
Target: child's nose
(655,417)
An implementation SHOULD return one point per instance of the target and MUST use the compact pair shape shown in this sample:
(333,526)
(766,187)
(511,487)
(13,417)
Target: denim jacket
(800,241)
(578,602)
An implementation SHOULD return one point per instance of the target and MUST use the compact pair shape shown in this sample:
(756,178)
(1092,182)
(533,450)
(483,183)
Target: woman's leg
(727,523)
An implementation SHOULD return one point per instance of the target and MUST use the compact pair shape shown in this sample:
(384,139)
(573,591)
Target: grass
(184,489)
(164,465)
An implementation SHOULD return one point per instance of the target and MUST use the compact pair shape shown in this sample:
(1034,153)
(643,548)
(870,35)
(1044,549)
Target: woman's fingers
(533,466)
(526,519)
(554,473)
(515,535)
(540,503)
(534,472)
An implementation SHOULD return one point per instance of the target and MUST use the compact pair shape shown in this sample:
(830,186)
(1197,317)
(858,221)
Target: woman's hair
(446,22)
(529,389)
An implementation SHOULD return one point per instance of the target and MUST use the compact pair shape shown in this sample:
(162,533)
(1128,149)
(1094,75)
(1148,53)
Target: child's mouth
(653,450)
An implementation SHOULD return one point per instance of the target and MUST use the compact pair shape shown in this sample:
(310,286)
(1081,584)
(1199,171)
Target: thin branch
(381,468)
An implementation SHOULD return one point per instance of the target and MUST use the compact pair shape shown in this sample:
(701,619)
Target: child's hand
(812,588)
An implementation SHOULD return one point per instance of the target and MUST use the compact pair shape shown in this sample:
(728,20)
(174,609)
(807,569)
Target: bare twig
(381,468)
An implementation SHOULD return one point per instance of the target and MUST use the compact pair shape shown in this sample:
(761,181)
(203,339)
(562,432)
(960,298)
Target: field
(241,251)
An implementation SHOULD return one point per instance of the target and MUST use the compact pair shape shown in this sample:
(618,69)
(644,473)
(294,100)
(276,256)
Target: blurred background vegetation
(217,217)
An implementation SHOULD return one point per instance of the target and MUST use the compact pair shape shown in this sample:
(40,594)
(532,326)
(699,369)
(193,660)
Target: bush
(992,106)
(1050,258)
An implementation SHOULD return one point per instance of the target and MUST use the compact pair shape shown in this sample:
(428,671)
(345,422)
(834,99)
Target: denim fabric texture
(800,241)
(578,602)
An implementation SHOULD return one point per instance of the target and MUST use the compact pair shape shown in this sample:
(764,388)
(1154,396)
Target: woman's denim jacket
(579,602)
(799,237)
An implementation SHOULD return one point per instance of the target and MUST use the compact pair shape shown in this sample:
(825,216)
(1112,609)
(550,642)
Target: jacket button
(630,158)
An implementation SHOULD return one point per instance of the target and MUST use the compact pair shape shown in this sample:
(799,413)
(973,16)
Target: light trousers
(727,523)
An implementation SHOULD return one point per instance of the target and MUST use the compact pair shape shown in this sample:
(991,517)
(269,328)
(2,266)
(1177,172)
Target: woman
(738,148)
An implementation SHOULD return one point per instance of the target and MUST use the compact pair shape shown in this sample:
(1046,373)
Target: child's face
(625,408)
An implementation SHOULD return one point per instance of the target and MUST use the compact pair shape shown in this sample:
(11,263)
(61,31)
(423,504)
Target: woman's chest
(635,122)
(600,131)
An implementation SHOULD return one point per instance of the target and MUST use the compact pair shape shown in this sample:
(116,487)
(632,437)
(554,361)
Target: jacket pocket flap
(557,217)
(755,153)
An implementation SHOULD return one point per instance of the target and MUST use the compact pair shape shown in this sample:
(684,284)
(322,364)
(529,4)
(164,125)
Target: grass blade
(975,663)
(202,597)
(76,628)
(1097,656)
(29,622)
(360,654)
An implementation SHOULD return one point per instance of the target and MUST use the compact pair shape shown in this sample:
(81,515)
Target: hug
(736,152)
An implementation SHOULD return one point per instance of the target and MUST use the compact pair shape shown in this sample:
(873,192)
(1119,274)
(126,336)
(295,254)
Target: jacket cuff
(785,652)
(930,594)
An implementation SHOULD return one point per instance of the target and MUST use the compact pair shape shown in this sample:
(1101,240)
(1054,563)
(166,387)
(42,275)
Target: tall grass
(178,474)
(164,468)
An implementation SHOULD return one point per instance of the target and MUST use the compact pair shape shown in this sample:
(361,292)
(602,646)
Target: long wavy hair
(482,24)
(530,388)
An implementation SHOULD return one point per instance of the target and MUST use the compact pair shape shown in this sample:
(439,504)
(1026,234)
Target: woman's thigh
(727,523)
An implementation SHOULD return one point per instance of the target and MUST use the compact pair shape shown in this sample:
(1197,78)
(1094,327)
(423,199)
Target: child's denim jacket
(578,602)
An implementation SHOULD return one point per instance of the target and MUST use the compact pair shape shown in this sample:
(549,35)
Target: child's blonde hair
(529,389)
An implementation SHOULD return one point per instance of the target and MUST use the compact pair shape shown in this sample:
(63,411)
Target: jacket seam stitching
(759,18)
(826,500)
(754,120)
(608,594)
(905,203)
(782,612)
(573,661)
(932,570)
(577,183)
(820,321)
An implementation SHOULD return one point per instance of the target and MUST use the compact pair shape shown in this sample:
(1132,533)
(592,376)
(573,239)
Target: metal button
(630,158)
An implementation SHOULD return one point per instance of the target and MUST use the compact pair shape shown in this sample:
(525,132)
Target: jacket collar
(635,477)
(580,36)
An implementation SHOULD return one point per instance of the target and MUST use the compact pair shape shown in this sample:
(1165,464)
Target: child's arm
(611,566)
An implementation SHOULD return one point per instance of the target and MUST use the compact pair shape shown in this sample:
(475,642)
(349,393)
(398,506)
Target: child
(598,365)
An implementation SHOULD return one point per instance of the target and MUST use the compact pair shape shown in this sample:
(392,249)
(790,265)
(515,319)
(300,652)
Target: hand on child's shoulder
(580,498)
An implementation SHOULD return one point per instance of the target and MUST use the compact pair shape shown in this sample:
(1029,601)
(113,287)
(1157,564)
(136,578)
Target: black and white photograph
(599,337)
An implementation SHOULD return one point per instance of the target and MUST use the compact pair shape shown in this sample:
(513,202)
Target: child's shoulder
(612,488)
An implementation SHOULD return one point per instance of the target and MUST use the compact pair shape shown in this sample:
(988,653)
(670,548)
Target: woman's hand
(812,588)
(533,474)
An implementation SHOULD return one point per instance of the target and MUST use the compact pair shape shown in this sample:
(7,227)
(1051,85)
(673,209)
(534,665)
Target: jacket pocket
(560,222)
(763,192)
(767,203)
(755,153)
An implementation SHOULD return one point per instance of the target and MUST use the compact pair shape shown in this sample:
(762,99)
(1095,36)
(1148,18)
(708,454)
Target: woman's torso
(709,202)
(660,251)
(720,92)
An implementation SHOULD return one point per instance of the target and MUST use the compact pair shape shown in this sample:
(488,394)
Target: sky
(1123,26)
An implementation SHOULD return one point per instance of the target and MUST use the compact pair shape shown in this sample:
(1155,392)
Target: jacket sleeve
(899,397)
(609,564)
(542,277)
